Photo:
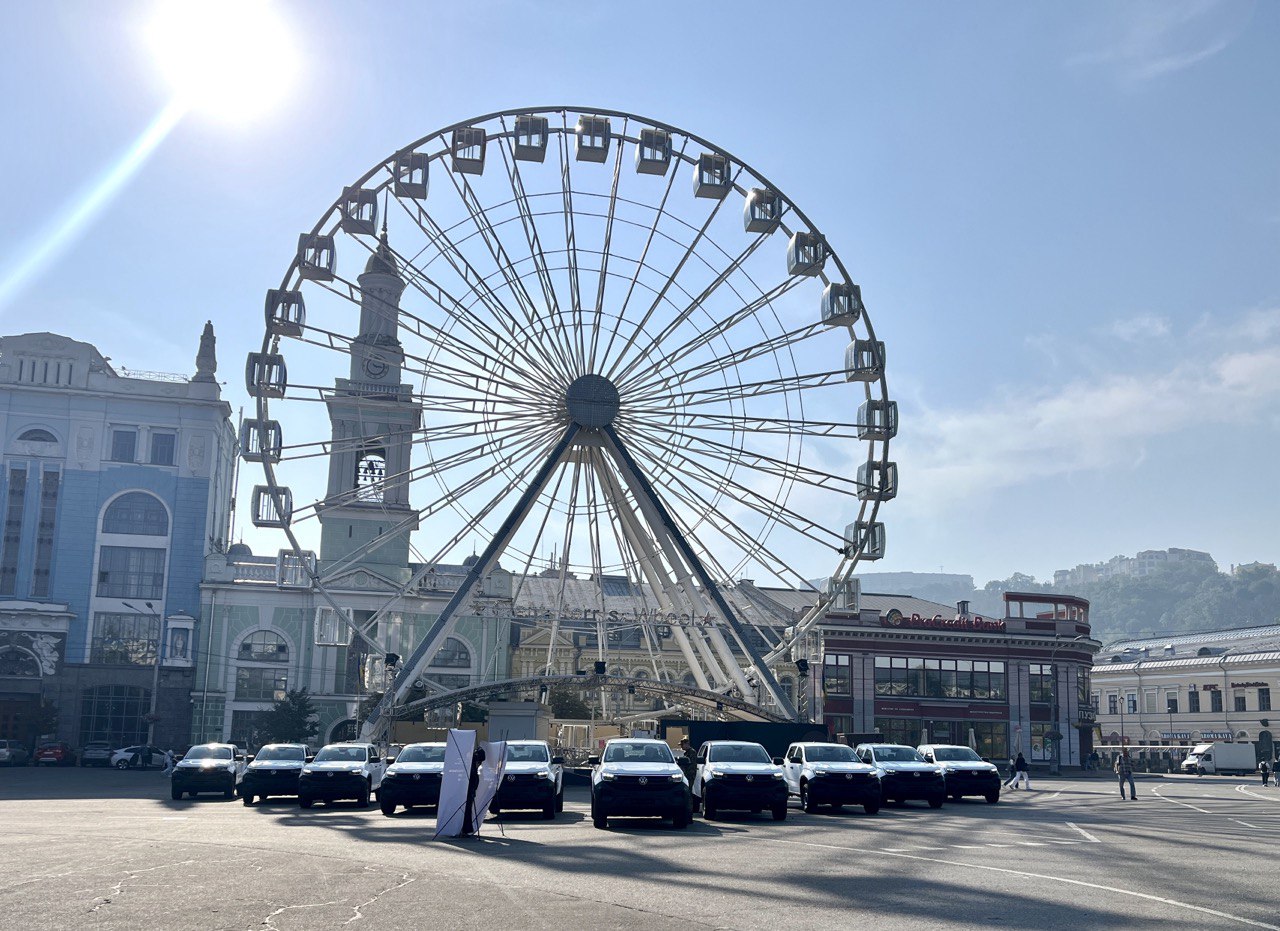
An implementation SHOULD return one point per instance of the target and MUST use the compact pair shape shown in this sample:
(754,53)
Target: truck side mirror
(593,761)
(390,760)
(777,761)
(557,760)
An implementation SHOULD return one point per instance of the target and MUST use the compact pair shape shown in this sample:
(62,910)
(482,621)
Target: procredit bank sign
(969,622)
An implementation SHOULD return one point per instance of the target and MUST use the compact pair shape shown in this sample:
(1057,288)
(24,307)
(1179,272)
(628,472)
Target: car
(638,777)
(830,774)
(273,770)
(966,772)
(140,756)
(96,753)
(413,778)
(738,775)
(533,779)
(212,767)
(55,753)
(347,770)
(13,753)
(904,774)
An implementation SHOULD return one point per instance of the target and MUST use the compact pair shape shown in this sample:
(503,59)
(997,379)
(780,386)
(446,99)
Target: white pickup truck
(1219,758)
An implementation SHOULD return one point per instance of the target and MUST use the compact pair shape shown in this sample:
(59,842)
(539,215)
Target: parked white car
(137,756)
(534,779)
(342,771)
(831,774)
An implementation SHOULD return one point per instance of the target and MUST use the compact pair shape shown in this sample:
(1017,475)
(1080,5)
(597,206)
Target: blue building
(116,485)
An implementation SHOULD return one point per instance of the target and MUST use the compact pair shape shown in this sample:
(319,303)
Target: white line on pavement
(1060,879)
(1156,793)
(1083,833)
(1245,823)
(1247,791)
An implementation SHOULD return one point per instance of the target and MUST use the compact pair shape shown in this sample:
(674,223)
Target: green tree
(567,703)
(292,719)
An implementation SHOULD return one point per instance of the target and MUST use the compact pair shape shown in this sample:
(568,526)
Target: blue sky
(1065,219)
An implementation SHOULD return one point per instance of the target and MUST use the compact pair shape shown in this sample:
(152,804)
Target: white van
(1220,757)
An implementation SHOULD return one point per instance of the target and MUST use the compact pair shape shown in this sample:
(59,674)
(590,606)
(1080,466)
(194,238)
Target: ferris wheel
(586,343)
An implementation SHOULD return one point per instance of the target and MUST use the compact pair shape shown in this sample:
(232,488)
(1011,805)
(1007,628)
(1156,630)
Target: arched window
(343,730)
(453,654)
(18,663)
(264,646)
(38,436)
(371,471)
(690,681)
(138,513)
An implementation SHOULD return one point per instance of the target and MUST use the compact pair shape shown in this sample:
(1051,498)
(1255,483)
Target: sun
(231,59)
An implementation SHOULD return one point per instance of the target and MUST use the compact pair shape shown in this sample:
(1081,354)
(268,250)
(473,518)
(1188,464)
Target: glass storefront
(990,737)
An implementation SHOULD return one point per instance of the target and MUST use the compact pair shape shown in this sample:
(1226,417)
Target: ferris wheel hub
(592,401)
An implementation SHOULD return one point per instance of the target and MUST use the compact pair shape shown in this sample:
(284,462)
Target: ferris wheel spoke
(458,430)
(550,350)
(605,251)
(689,252)
(537,538)
(786,426)
(719,328)
(757,389)
(646,353)
(571,251)
(640,262)
(779,468)
(564,564)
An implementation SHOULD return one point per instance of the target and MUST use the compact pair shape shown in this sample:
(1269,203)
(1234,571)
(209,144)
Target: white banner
(460,746)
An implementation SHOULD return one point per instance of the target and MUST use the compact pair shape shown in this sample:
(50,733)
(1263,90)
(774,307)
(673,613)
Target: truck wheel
(780,812)
(175,794)
(560,800)
(388,808)
(806,800)
(248,800)
(936,801)
(709,810)
(680,819)
(599,817)
(871,808)
(230,790)
(304,801)
(549,810)
(363,800)
(993,797)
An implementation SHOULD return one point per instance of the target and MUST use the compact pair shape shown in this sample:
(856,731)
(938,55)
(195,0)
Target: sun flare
(234,59)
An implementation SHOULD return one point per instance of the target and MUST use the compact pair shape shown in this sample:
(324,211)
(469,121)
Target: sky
(1065,219)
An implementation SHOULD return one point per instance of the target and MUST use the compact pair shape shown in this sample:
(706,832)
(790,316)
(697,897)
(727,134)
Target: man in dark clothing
(473,783)
(687,761)
(1020,774)
(1265,770)
(1124,771)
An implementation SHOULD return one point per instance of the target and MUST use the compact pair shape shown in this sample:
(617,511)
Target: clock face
(375,368)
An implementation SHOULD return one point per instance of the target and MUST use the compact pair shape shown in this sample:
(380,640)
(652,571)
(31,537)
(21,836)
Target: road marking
(1156,793)
(1247,791)
(1060,879)
(1246,824)
(1031,843)
(1083,833)
(1053,796)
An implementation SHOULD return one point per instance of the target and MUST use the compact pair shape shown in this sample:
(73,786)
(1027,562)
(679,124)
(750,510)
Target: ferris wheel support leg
(644,490)
(443,626)
(659,582)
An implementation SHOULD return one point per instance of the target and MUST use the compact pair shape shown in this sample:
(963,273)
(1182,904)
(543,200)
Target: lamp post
(1055,759)
(155,673)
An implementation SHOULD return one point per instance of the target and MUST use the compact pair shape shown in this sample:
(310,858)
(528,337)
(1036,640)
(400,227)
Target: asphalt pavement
(109,849)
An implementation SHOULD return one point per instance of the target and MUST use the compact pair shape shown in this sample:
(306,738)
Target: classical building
(1180,690)
(116,485)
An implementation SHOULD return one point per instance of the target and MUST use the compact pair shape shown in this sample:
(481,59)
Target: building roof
(1233,639)
(1189,662)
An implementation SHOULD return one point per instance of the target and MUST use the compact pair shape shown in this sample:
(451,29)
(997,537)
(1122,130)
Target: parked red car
(55,753)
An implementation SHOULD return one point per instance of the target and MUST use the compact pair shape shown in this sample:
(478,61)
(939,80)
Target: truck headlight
(778,776)
(677,777)
(542,775)
(607,776)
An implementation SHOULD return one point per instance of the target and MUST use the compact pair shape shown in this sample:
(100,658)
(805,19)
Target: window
(248,729)
(124,445)
(453,654)
(835,673)
(1264,699)
(38,436)
(163,446)
(14,508)
(130,572)
(40,579)
(264,646)
(1237,700)
(137,513)
(1113,704)
(1149,699)
(18,663)
(899,730)
(1171,703)
(1193,701)
(1131,704)
(254,683)
(1041,683)
(1215,701)
(114,713)
(1041,745)
(124,639)
(982,680)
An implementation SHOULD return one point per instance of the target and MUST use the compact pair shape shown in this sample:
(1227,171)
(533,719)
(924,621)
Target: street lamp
(155,674)
(1055,759)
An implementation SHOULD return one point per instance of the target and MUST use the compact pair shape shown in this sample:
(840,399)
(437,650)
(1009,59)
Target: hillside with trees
(1178,598)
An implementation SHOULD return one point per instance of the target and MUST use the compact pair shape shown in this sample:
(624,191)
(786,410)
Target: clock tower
(373,419)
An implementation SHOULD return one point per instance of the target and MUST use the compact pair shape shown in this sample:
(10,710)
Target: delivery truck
(1220,758)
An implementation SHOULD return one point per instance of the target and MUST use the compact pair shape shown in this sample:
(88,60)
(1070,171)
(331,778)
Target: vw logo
(751,779)
(330,775)
(417,775)
(917,775)
(272,773)
(848,775)
(511,778)
(643,780)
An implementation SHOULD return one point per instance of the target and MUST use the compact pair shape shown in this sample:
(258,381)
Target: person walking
(1265,770)
(1124,771)
(1020,774)
(1013,773)
(687,761)
(168,763)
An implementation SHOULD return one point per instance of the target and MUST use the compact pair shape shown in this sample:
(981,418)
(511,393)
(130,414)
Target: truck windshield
(208,753)
(624,752)
(527,753)
(342,755)
(738,753)
(955,755)
(830,753)
(421,755)
(281,753)
(897,755)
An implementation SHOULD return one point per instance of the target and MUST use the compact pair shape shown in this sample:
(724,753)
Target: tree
(566,703)
(292,719)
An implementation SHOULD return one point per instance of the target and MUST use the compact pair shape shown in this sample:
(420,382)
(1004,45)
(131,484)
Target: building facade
(915,672)
(1143,564)
(1178,691)
(116,485)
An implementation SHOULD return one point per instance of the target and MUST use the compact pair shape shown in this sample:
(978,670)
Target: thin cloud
(1139,328)
(1150,40)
